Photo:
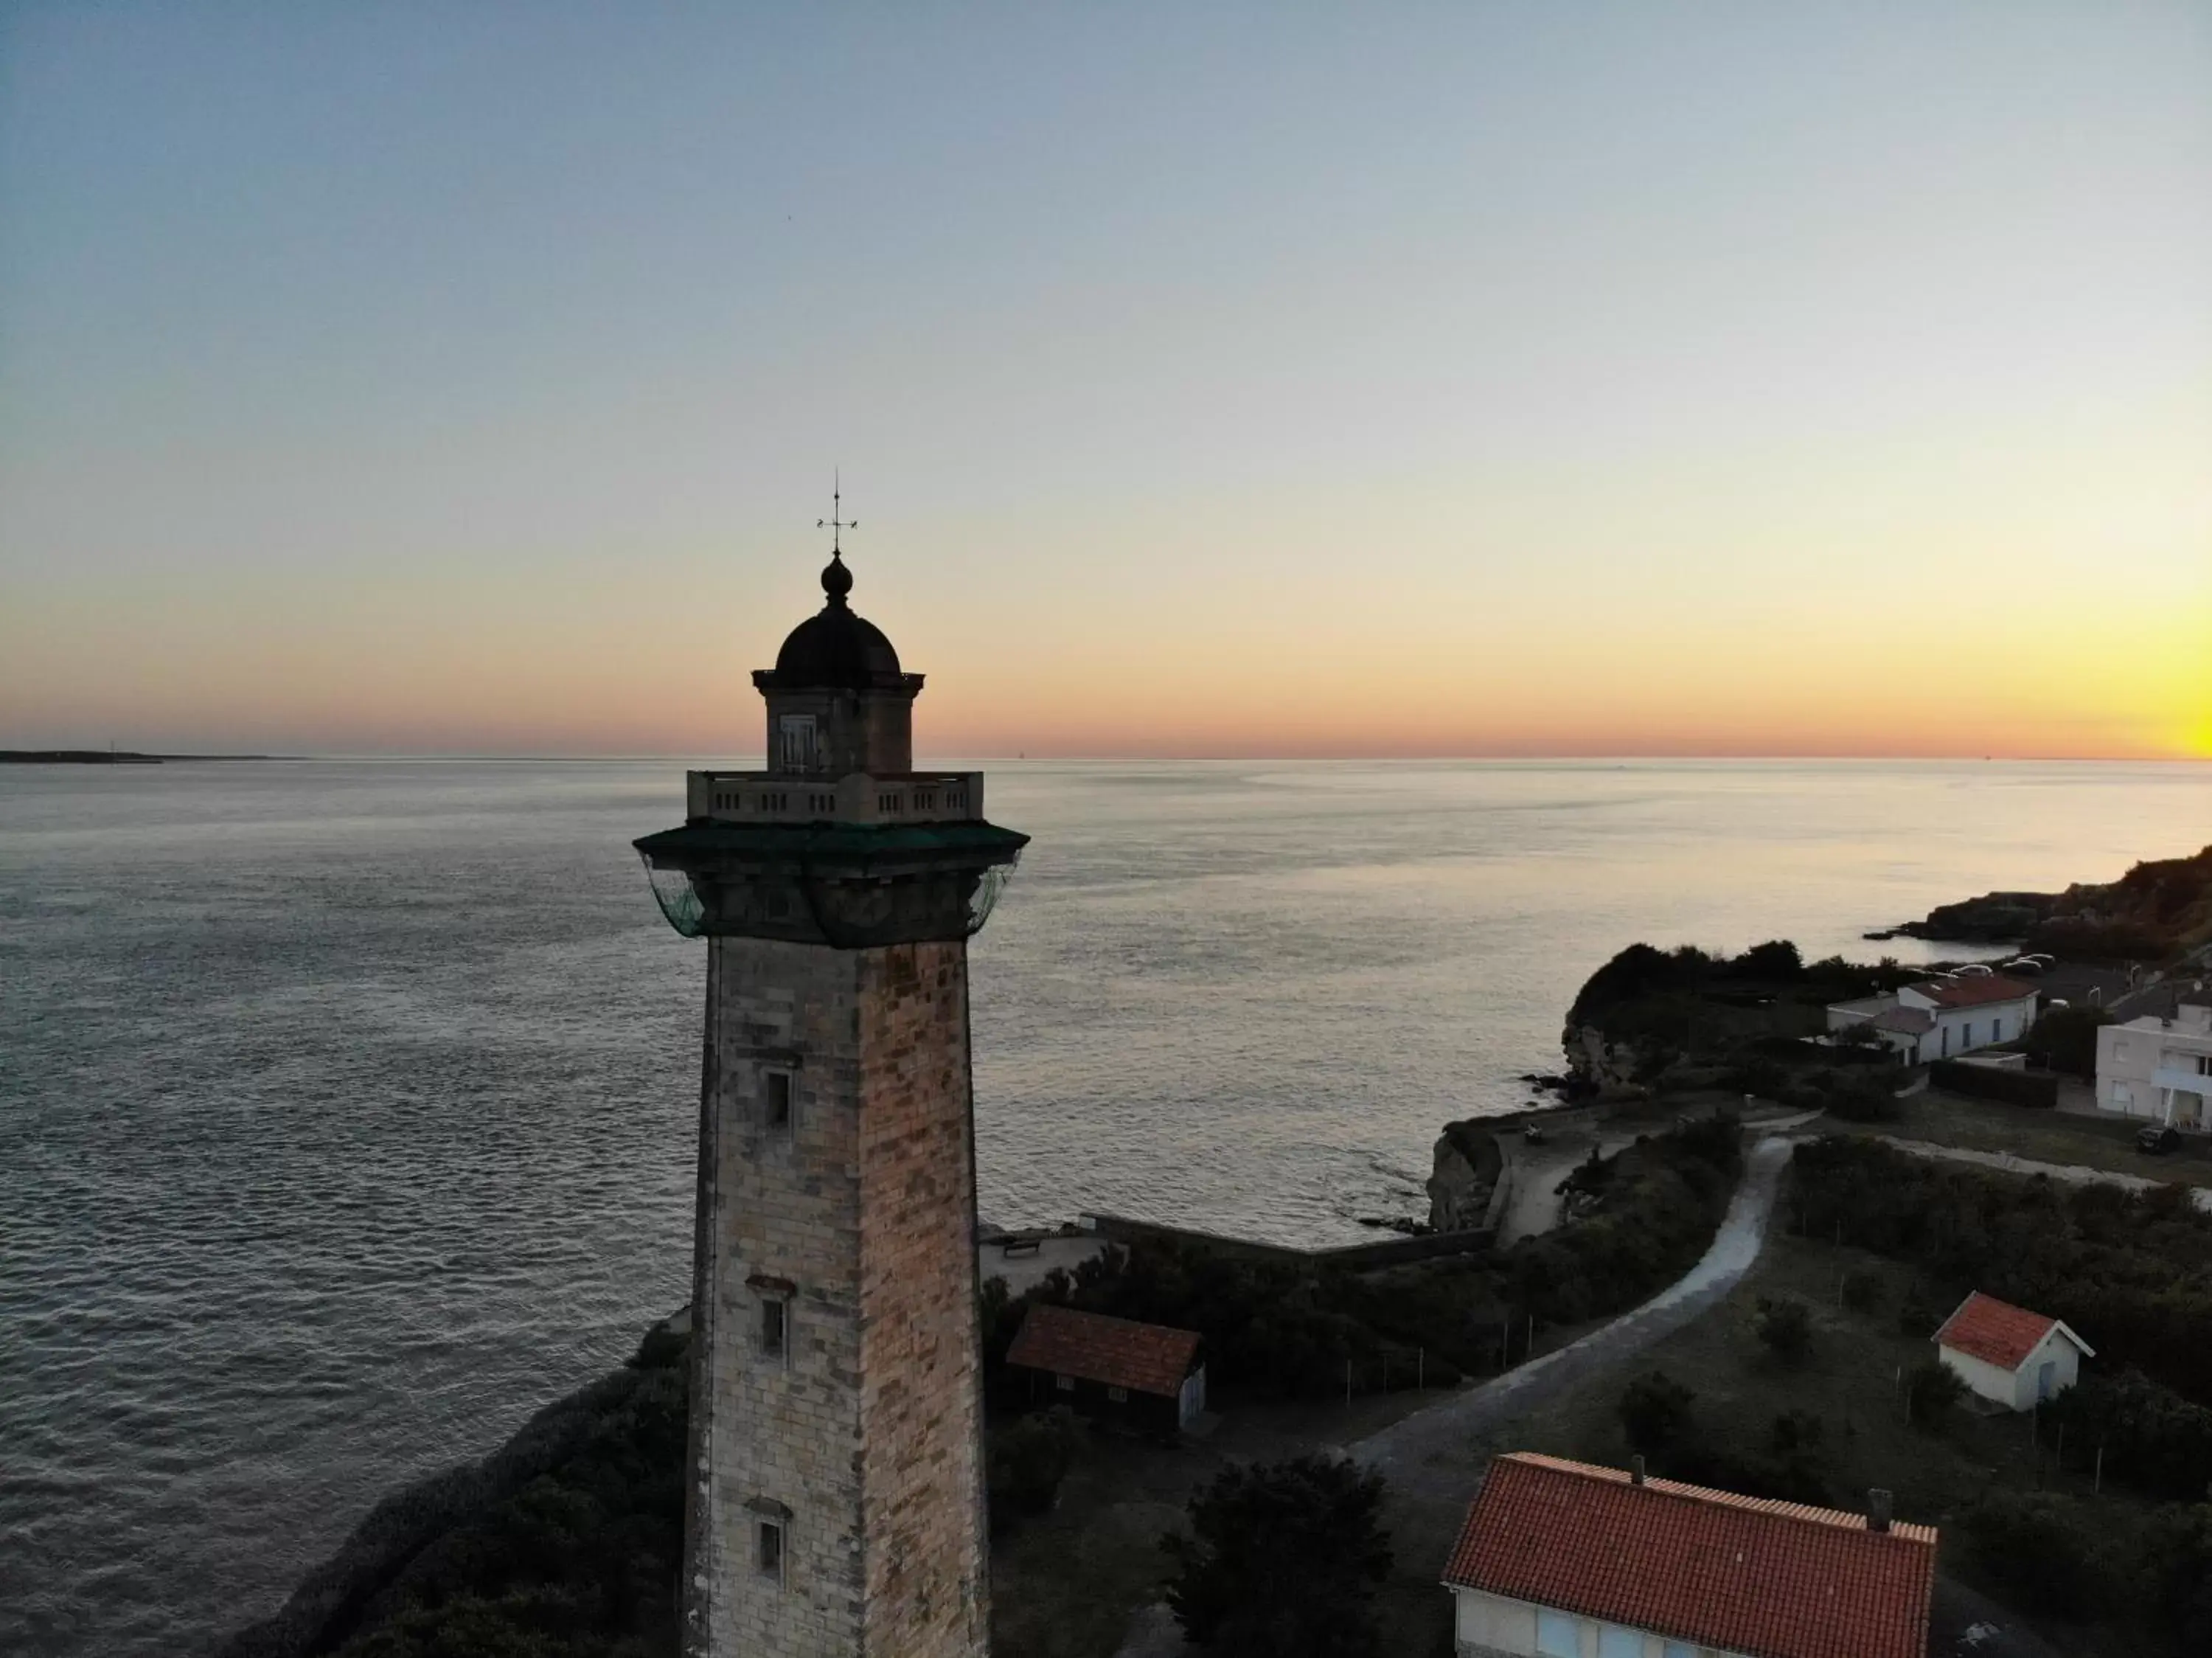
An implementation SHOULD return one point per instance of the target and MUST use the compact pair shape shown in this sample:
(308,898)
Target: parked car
(2158,1139)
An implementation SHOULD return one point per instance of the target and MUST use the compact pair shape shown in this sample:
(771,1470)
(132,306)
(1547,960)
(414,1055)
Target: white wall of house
(2159,1069)
(1191,1404)
(1961,1030)
(1496,1626)
(2017,1390)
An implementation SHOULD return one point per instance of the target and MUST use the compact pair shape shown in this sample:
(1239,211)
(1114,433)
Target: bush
(1785,1326)
(2133,1275)
(2153,1439)
(2065,1039)
(1932,1391)
(1282,1561)
(1794,1432)
(2045,1550)
(1655,1412)
(1025,1461)
(2178,1576)
(2038,1089)
(1862,1293)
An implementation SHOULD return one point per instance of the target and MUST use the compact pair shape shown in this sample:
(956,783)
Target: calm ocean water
(346,1109)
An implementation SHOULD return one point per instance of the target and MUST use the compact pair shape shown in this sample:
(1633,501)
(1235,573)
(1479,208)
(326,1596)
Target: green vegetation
(1024,1462)
(2065,1039)
(1785,1326)
(1282,1561)
(565,1544)
(1686,1019)
(2133,1275)
(1655,1412)
(1278,1332)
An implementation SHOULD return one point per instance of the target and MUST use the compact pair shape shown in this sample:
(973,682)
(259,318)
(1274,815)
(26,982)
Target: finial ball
(836,579)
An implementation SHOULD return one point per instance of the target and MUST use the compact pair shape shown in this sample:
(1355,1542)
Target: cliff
(1465,1167)
(1653,1020)
(2158,909)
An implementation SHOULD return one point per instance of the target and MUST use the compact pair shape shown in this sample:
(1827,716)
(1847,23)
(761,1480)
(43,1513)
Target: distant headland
(112,757)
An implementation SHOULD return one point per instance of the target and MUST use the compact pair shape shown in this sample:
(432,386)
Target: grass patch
(2049,1136)
(1849,1384)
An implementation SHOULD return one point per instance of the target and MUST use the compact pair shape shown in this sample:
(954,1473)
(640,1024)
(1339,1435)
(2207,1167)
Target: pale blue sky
(1205,379)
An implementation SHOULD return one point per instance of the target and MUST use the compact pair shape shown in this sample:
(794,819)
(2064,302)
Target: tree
(1024,1462)
(1930,1392)
(1785,1326)
(2065,1038)
(1655,1410)
(1281,1561)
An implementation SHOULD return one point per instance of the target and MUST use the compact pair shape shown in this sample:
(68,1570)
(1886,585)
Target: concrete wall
(865,1437)
(2138,1064)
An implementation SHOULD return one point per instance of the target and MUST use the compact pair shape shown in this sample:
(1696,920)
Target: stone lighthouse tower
(836,1477)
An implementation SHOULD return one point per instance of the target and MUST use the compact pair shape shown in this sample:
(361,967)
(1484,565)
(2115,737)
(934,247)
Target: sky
(1471,379)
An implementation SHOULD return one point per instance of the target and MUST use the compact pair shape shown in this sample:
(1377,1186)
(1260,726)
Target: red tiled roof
(1773,1580)
(1146,1358)
(1975,992)
(1997,1332)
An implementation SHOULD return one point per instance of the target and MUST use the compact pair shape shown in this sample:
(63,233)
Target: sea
(347,1108)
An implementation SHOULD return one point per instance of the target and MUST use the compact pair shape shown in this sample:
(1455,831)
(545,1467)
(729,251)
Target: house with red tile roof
(1567,1560)
(1941,1018)
(2008,1355)
(1145,1376)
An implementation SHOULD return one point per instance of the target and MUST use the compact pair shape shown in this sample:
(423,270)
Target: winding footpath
(1434,1452)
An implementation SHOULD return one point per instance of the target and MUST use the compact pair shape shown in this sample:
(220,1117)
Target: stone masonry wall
(868,1435)
(920,1426)
(785,1207)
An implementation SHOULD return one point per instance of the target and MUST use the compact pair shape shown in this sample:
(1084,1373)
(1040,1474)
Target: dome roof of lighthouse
(834,648)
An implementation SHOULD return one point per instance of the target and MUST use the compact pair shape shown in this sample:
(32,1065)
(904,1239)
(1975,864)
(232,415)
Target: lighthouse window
(796,732)
(769,1549)
(776,1101)
(775,1327)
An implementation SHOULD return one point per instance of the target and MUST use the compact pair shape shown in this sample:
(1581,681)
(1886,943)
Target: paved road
(1431,1451)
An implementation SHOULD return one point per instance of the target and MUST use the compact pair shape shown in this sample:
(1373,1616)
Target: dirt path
(2072,1173)
(1433,1453)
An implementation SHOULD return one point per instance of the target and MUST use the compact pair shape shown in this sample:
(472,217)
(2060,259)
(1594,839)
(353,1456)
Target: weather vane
(835,523)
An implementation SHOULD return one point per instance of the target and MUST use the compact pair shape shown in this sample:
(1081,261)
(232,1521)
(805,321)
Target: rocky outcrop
(1601,1068)
(2158,909)
(1467,1165)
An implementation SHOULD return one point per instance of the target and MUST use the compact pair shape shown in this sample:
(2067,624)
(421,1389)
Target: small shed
(1142,1376)
(2008,1355)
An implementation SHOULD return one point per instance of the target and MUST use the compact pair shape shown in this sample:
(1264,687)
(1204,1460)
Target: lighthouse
(835,1504)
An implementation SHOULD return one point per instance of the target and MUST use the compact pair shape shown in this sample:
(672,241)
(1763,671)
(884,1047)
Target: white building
(1561,1559)
(2008,1355)
(2159,1067)
(1942,1018)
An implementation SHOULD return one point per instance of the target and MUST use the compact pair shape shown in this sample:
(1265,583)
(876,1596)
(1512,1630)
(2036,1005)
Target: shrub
(1282,1561)
(1025,1461)
(1862,1292)
(1858,1096)
(2065,1039)
(1655,1412)
(2014,1088)
(1931,1392)
(2045,1550)
(1785,1326)
(1796,1431)
(2178,1576)
(2153,1439)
